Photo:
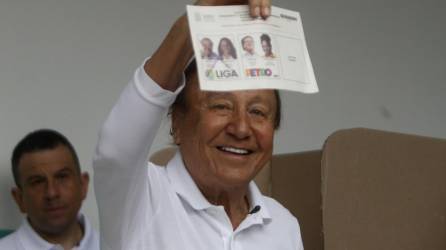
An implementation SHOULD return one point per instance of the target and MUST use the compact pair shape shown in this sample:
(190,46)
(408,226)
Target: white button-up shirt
(151,207)
(25,238)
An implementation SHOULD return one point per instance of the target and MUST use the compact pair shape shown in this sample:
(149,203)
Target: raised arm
(121,176)
(123,190)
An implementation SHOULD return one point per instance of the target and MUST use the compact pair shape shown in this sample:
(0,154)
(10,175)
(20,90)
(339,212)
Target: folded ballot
(234,51)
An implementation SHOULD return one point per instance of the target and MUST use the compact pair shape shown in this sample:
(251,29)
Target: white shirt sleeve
(121,179)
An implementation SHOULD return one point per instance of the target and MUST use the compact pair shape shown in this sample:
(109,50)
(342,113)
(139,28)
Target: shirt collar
(31,239)
(186,188)
(88,237)
(184,185)
(255,198)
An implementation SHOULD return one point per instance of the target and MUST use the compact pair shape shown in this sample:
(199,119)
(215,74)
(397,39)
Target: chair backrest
(263,178)
(296,184)
(383,190)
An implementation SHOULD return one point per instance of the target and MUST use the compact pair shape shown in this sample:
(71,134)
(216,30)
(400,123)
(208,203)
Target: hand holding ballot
(167,64)
(250,53)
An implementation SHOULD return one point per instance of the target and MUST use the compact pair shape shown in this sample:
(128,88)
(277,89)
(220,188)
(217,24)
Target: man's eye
(37,181)
(220,106)
(258,112)
(62,176)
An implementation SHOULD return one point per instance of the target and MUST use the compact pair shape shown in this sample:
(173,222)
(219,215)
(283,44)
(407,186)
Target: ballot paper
(234,51)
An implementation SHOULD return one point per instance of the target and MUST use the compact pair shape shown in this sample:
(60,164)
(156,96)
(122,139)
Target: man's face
(207,47)
(248,44)
(225,137)
(52,189)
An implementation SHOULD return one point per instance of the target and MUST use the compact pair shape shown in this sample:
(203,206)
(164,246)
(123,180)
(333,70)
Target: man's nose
(52,189)
(240,125)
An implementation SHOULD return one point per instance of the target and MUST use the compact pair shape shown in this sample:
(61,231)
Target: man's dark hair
(39,140)
(191,71)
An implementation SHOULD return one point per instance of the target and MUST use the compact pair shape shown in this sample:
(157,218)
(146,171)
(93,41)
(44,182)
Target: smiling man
(49,189)
(248,46)
(205,197)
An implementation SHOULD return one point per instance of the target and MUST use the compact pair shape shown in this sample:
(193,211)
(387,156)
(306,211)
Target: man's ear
(85,180)
(17,194)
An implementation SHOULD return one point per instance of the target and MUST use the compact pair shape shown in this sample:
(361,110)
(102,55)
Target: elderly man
(204,198)
(50,190)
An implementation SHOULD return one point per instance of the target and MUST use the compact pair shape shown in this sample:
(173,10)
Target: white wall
(379,64)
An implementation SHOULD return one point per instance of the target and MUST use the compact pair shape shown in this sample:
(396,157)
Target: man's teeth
(235,150)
